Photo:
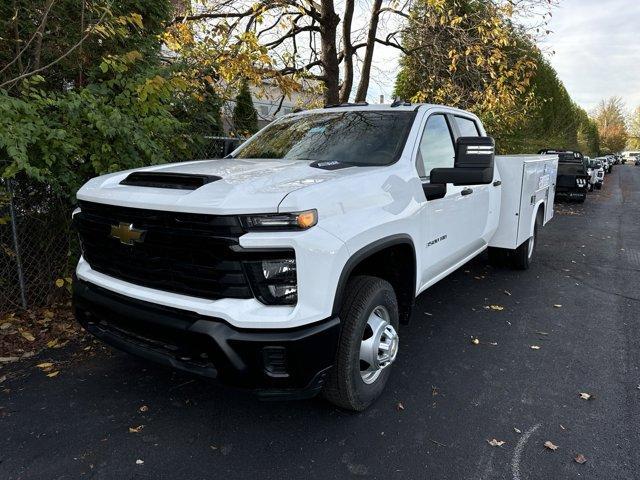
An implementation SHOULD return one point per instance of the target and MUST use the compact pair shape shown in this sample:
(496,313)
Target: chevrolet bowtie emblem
(127,234)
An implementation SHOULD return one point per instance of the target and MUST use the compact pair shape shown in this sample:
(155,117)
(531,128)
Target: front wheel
(368,344)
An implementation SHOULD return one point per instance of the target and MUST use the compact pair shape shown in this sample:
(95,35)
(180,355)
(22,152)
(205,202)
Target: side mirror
(473,163)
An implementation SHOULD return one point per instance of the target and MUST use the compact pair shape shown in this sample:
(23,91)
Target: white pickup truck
(289,266)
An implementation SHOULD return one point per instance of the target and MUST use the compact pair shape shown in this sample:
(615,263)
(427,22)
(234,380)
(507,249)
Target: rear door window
(467,127)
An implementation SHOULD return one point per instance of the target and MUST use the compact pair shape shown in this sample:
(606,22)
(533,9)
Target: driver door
(449,223)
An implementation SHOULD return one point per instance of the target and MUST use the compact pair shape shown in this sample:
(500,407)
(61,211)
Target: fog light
(274,281)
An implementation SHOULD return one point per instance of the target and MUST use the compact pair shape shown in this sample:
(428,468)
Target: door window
(467,127)
(436,146)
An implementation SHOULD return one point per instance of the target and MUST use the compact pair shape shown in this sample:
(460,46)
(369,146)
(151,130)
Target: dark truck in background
(572,182)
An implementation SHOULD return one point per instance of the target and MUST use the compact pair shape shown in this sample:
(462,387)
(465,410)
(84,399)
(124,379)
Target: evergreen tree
(245,117)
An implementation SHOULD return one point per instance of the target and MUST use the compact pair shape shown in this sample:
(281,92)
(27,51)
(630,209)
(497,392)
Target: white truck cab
(288,266)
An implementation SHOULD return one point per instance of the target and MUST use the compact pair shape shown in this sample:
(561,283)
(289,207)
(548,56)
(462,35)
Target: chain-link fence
(35,245)
(215,147)
(37,248)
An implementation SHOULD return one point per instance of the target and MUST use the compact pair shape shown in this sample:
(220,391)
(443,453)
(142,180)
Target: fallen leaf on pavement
(580,459)
(542,333)
(475,341)
(144,408)
(517,430)
(9,359)
(5,326)
(507,292)
(496,307)
(137,429)
(139,462)
(586,396)
(400,406)
(535,347)
(562,427)
(550,445)
(27,335)
(45,365)
(53,374)
(3,378)
(495,443)
(557,305)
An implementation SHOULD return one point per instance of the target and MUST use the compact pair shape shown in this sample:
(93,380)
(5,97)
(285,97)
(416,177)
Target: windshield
(353,137)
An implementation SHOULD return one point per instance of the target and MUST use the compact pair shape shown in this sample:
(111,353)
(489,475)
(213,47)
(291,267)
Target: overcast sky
(597,49)
(597,52)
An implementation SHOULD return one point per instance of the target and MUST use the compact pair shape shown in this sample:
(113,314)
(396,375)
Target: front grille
(183,253)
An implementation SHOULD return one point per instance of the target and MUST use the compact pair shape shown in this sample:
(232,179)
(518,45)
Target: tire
(352,383)
(582,198)
(591,187)
(599,186)
(523,255)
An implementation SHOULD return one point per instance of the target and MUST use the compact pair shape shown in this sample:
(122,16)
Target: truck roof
(406,106)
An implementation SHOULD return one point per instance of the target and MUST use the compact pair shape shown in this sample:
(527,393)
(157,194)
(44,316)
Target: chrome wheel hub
(379,346)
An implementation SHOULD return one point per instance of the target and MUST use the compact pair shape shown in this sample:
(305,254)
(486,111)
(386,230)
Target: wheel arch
(373,259)
(539,207)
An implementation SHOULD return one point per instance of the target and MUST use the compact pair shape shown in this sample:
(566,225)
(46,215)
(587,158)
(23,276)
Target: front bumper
(571,192)
(290,363)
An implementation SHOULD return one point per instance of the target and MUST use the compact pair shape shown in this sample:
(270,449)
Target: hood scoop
(178,181)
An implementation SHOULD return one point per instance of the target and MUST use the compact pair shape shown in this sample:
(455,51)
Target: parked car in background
(631,155)
(572,181)
(606,162)
(637,162)
(596,173)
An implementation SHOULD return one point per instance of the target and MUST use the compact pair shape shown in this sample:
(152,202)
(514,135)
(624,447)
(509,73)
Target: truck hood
(245,186)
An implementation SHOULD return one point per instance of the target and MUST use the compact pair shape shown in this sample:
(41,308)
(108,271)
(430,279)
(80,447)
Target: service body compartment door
(527,181)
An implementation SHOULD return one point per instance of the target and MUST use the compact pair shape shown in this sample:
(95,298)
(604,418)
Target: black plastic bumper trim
(208,346)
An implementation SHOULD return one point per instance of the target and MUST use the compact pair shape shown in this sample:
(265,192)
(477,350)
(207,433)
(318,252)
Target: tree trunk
(347,52)
(329,54)
(363,87)
(37,49)
(16,34)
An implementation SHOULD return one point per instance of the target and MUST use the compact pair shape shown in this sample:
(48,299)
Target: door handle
(497,183)
(467,191)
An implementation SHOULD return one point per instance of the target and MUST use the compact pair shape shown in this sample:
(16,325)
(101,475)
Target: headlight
(274,281)
(281,221)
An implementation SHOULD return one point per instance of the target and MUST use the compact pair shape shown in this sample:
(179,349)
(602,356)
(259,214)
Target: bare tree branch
(38,32)
(60,58)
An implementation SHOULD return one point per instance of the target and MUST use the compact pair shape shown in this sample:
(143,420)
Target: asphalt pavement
(447,397)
